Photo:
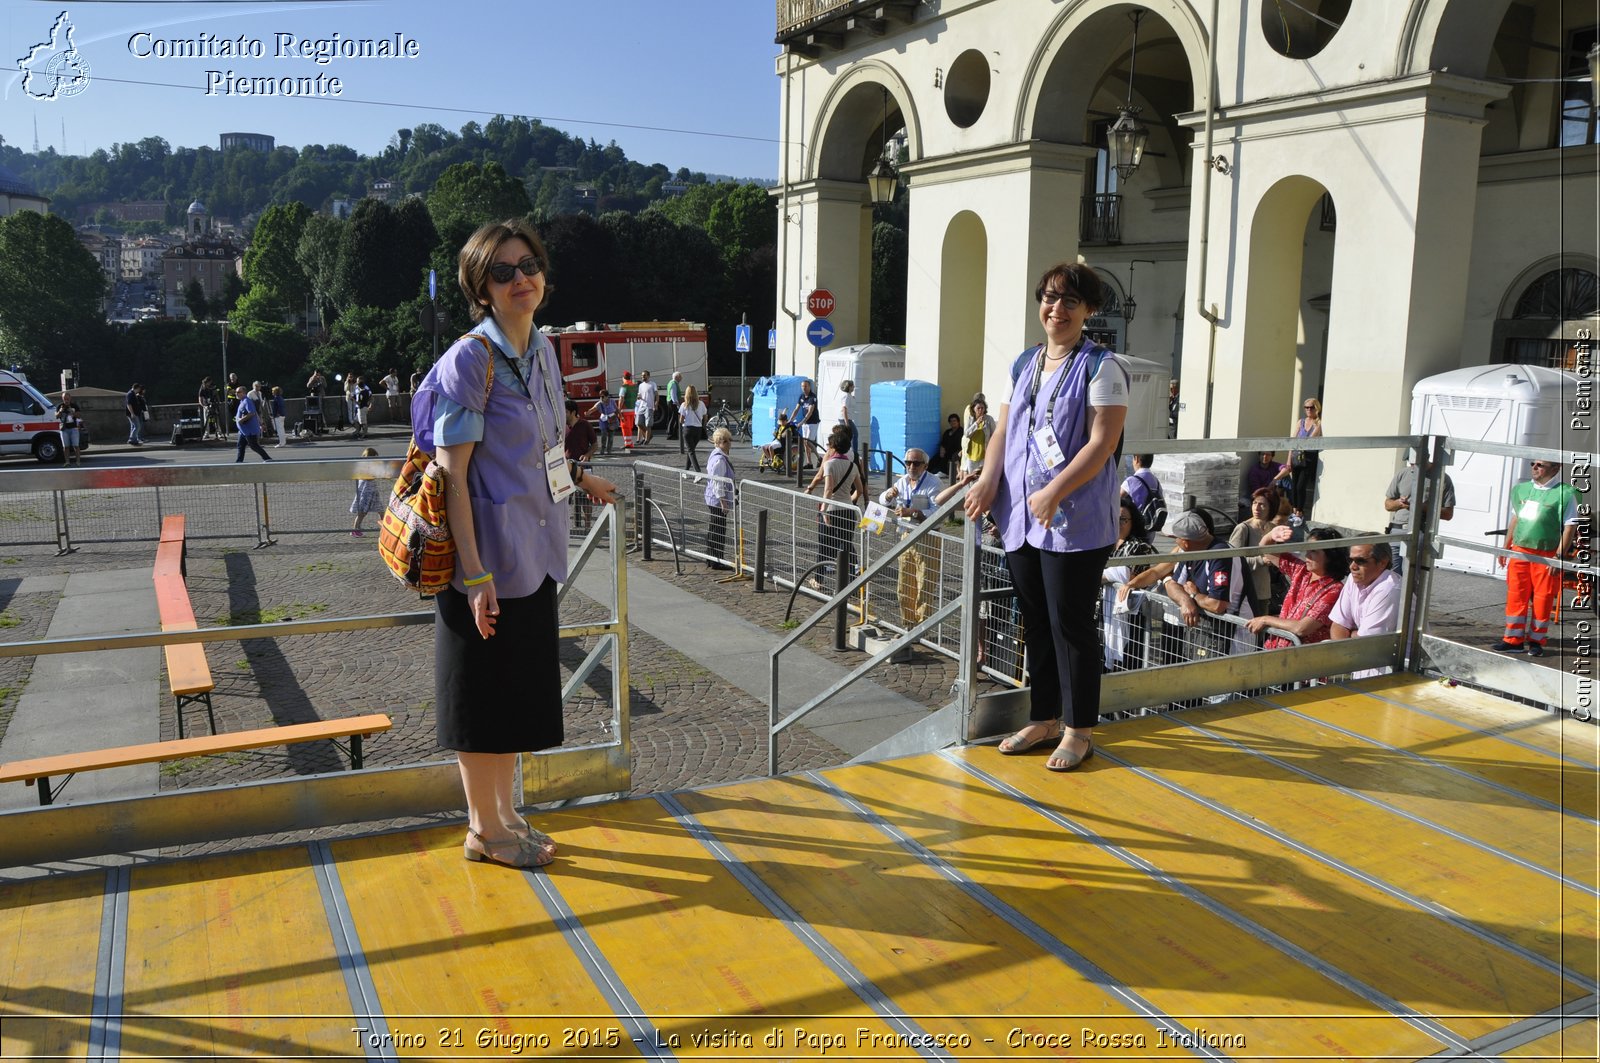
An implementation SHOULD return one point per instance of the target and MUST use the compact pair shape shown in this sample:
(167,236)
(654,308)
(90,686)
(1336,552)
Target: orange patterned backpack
(414,536)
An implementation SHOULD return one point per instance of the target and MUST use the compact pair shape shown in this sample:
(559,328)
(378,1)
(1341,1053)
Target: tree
(194,297)
(50,292)
(741,219)
(361,342)
(318,257)
(270,262)
(477,194)
(383,254)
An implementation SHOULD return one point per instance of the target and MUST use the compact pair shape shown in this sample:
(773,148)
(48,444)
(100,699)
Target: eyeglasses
(1541,464)
(502,272)
(1050,298)
(1354,560)
(1310,407)
(1124,519)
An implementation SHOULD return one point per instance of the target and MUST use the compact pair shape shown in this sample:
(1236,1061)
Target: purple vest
(521,532)
(1092,508)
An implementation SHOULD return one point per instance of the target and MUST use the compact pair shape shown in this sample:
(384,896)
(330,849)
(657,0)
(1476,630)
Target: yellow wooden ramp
(1388,870)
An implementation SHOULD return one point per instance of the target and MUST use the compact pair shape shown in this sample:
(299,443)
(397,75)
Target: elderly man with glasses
(1369,603)
(1544,518)
(912,497)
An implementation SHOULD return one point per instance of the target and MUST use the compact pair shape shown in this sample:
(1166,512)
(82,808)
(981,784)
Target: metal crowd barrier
(189,815)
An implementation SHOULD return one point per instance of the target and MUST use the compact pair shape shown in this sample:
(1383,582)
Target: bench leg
(182,701)
(46,795)
(355,752)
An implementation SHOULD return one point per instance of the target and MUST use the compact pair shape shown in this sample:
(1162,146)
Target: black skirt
(501,694)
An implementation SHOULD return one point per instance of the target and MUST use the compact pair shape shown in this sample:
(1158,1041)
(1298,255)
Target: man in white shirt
(1369,604)
(911,498)
(391,390)
(647,401)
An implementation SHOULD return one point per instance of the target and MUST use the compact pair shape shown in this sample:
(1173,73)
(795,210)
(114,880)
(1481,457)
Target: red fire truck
(594,356)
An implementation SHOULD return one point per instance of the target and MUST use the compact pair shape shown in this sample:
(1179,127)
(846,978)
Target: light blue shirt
(457,424)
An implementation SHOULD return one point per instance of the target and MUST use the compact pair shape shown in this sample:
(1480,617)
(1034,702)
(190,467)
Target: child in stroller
(777,454)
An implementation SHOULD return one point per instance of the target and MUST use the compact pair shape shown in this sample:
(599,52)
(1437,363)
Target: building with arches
(1334,199)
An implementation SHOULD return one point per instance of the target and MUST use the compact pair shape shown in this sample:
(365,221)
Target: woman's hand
(1258,624)
(598,488)
(980,496)
(1043,504)
(485,607)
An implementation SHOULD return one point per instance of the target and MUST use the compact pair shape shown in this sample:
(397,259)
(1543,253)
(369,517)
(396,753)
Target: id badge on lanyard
(558,473)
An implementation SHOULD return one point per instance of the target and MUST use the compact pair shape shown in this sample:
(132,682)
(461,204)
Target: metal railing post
(967,659)
(645,522)
(841,576)
(761,550)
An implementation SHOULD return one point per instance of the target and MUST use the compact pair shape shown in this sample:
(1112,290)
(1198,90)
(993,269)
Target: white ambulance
(28,422)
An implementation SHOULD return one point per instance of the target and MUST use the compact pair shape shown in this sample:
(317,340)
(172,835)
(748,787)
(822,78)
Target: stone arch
(1269,370)
(963,309)
(1057,93)
(1449,34)
(847,133)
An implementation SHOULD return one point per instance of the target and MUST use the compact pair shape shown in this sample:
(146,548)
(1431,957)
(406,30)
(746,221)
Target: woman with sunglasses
(492,413)
(1303,463)
(1314,584)
(1050,483)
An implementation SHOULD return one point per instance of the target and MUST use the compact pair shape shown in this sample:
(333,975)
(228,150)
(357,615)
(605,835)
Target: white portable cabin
(866,364)
(1520,405)
(1147,399)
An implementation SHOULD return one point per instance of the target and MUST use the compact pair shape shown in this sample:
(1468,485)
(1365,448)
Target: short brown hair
(477,255)
(1076,279)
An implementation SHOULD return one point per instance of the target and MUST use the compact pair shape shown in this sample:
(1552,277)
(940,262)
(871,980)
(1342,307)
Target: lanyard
(553,399)
(1038,377)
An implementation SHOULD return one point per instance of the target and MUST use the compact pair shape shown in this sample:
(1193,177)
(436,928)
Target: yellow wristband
(477,581)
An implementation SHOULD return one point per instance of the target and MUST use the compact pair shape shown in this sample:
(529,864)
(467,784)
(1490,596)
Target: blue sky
(681,83)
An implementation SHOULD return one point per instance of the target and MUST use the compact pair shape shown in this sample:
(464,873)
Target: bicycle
(735,421)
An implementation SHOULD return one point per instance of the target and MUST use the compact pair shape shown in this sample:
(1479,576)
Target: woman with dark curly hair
(1314,585)
(1050,483)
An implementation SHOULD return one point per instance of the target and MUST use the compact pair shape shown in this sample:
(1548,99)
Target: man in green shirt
(1544,518)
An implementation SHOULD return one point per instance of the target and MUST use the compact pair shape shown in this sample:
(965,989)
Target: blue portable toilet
(905,414)
(773,394)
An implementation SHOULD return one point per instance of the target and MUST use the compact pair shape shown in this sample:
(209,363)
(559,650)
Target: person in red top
(1314,585)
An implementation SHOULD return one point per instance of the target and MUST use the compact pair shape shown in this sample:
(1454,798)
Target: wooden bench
(188,674)
(43,769)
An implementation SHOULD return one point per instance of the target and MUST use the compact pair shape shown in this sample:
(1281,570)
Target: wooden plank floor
(1390,870)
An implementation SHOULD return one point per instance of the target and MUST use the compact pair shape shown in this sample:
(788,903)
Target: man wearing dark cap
(1213,585)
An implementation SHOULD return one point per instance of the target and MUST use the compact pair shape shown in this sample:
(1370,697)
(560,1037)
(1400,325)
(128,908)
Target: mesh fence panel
(28,519)
(803,531)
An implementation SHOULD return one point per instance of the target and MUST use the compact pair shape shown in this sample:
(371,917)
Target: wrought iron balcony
(1101,219)
(810,26)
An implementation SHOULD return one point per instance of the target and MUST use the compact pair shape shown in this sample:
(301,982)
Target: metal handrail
(928,526)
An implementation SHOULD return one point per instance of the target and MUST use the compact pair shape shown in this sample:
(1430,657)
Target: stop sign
(820,303)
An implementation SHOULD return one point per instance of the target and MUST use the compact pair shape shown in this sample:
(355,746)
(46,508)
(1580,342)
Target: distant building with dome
(203,256)
(16,194)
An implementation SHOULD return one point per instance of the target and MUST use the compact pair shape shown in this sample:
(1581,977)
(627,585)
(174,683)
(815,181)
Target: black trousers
(693,436)
(717,535)
(254,443)
(1305,483)
(1057,595)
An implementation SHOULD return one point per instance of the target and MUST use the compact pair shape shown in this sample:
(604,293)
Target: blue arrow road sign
(433,284)
(820,332)
(741,338)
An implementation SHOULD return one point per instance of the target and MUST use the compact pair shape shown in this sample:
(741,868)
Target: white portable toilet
(865,363)
(1520,405)
(1147,399)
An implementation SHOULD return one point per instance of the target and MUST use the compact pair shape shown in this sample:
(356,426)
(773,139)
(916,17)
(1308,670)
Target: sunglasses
(1362,560)
(915,464)
(1541,464)
(502,272)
